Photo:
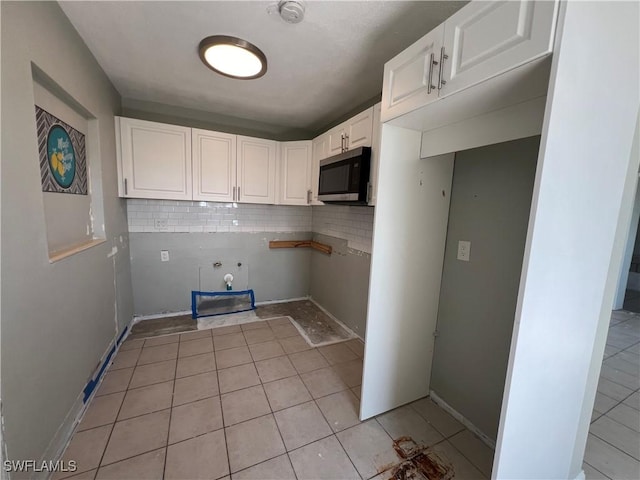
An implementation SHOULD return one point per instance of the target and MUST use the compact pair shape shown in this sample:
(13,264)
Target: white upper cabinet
(336,140)
(320,151)
(154,160)
(484,39)
(354,133)
(359,130)
(480,41)
(410,78)
(295,173)
(256,170)
(214,166)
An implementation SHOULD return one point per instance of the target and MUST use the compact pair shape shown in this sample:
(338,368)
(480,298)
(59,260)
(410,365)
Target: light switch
(464,250)
(164,255)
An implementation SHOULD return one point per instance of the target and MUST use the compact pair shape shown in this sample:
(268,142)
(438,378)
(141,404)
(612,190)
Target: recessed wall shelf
(67,252)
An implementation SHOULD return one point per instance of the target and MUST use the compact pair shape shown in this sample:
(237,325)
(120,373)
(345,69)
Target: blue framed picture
(62,155)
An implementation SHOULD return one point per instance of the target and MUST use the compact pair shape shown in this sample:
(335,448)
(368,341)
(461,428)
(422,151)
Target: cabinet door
(295,173)
(410,76)
(376,137)
(256,170)
(359,129)
(319,152)
(335,137)
(155,160)
(214,166)
(484,39)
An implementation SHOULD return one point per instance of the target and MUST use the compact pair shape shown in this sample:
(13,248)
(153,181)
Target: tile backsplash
(197,217)
(354,224)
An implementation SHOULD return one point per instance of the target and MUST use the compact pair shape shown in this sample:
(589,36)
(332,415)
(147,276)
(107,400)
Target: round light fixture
(232,57)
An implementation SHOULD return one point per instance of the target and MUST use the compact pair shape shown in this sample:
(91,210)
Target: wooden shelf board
(321,247)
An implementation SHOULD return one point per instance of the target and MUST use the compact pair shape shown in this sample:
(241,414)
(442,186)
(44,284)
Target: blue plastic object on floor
(207,304)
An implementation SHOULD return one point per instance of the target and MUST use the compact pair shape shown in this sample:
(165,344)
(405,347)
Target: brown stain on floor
(318,326)
(163,326)
(418,462)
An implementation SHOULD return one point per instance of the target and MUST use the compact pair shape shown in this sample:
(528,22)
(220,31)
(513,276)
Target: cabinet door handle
(126,190)
(369,190)
(234,194)
(443,57)
(308,196)
(342,142)
(432,62)
(346,142)
(238,193)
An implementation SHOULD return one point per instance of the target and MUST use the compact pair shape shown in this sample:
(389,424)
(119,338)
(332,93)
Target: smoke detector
(291,11)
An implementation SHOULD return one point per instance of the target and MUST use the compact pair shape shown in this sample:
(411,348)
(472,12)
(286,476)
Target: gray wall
(57,319)
(340,282)
(490,204)
(159,287)
(158,112)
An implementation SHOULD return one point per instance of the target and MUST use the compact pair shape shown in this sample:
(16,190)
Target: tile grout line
(275,420)
(173,394)
(286,452)
(138,416)
(345,450)
(604,475)
(334,433)
(272,412)
(621,424)
(113,425)
(613,446)
(619,402)
(447,438)
(615,421)
(617,383)
(224,428)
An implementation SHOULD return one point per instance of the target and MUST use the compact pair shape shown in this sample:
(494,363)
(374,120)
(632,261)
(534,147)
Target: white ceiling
(318,70)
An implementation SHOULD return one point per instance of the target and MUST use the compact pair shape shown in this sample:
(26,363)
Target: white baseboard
(58,444)
(580,476)
(462,419)
(272,302)
(154,316)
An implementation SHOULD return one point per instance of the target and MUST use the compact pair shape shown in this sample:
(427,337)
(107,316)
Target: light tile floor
(256,402)
(613,446)
(251,401)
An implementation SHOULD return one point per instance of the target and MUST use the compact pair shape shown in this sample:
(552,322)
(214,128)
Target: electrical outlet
(161,224)
(164,255)
(464,250)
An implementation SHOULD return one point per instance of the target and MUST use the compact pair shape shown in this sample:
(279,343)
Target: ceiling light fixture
(232,57)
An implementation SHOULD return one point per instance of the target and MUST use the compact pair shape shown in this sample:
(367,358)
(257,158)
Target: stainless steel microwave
(344,178)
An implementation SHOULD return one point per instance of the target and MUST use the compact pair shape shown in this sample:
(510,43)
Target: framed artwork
(62,155)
